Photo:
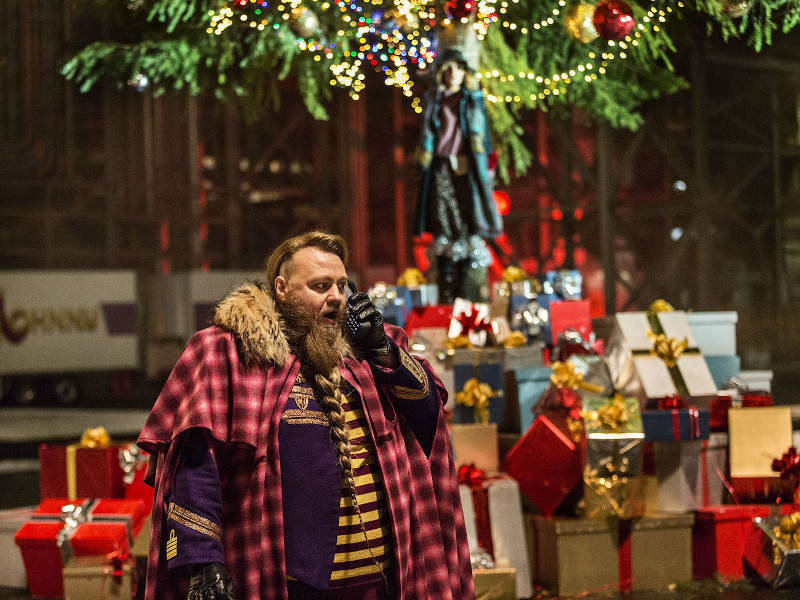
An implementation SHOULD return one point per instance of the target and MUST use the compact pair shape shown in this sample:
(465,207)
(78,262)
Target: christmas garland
(605,58)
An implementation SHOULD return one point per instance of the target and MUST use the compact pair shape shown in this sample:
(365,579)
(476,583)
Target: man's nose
(336,296)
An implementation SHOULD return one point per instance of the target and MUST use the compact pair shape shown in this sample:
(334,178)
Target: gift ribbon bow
(72,515)
(457,342)
(611,416)
(131,459)
(512,274)
(477,395)
(515,339)
(472,476)
(471,321)
(564,375)
(411,277)
(788,465)
(788,530)
(668,349)
(661,305)
(95,437)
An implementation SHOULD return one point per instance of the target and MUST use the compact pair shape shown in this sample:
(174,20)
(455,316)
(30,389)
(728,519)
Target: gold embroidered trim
(301,391)
(312,417)
(194,521)
(172,545)
(419,374)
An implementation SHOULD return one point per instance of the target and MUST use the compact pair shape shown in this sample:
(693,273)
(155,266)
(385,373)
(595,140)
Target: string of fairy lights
(399,40)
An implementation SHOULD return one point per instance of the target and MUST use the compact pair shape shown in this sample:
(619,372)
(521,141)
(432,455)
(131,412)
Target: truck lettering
(22,323)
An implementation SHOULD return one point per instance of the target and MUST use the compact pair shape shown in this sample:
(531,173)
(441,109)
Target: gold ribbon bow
(668,349)
(95,437)
(512,274)
(461,341)
(611,416)
(477,395)
(515,339)
(564,375)
(661,305)
(788,530)
(411,277)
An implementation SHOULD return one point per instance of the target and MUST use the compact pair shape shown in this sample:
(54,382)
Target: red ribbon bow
(788,465)
(673,402)
(472,476)
(470,321)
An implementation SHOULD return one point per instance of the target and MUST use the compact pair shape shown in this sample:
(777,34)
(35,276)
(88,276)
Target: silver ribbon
(72,515)
(131,460)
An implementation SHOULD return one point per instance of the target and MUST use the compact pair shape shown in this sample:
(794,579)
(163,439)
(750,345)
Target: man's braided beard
(317,343)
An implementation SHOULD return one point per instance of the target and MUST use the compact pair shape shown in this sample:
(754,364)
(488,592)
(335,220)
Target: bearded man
(293,461)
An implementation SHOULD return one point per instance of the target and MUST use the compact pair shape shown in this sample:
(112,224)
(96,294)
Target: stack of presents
(625,452)
(89,536)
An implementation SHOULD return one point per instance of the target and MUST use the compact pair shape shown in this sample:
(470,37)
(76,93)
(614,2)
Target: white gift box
(690,473)
(12,569)
(637,371)
(714,332)
(507,527)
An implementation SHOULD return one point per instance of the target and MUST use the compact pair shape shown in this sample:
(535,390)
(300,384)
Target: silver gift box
(770,557)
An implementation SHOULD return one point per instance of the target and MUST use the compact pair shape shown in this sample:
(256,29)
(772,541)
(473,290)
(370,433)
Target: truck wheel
(24,393)
(66,391)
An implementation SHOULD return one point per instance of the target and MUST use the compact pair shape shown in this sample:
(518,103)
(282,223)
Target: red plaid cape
(240,406)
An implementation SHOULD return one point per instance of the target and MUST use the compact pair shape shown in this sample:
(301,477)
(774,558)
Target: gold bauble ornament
(578,22)
(303,22)
(735,8)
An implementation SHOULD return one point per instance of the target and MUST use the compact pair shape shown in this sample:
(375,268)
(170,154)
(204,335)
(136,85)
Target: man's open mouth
(331,315)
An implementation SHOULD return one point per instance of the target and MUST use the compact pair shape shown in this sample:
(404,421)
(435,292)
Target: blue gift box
(723,368)
(524,386)
(660,425)
(490,373)
(418,295)
(561,285)
(394,314)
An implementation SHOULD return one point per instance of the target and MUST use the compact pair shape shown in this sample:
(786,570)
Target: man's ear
(280,287)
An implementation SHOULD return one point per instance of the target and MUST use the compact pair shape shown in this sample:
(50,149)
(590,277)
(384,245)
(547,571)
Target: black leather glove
(371,339)
(211,582)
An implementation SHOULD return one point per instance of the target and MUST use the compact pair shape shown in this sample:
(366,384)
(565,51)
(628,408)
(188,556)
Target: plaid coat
(233,380)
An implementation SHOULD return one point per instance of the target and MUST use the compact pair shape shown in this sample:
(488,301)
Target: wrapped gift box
(428,317)
(523,388)
(688,475)
(561,285)
(485,365)
(613,487)
(756,380)
(771,557)
(89,527)
(756,437)
(719,537)
(12,570)
(569,314)
(476,444)
(525,357)
(675,425)
(573,556)
(99,578)
(496,584)
(133,462)
(714,332)
(722,368)
(547,461)
(417,296)
(493,514)
(640,371)
(74,471)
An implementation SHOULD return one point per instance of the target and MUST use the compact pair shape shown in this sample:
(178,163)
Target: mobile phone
(354,326)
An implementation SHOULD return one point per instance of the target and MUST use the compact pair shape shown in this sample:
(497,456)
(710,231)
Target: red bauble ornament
(613,19)
(240,3)
(460,9)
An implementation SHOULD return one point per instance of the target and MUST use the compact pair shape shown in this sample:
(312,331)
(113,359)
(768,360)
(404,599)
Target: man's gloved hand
(211,582)
(371,340)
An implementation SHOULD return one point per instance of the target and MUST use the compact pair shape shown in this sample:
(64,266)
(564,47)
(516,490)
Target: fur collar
(249,313)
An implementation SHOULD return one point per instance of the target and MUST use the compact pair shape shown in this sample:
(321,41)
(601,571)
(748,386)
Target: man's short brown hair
(328,242)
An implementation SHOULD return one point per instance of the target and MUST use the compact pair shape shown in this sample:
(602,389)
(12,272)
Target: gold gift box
(93,577)
(614,497)
(495,584)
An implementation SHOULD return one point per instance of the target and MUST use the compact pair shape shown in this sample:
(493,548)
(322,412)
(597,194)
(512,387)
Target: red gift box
(429,316)
(83,528)
(75,471)
(719,537)
(547,462)
(570,314)
(133,462)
